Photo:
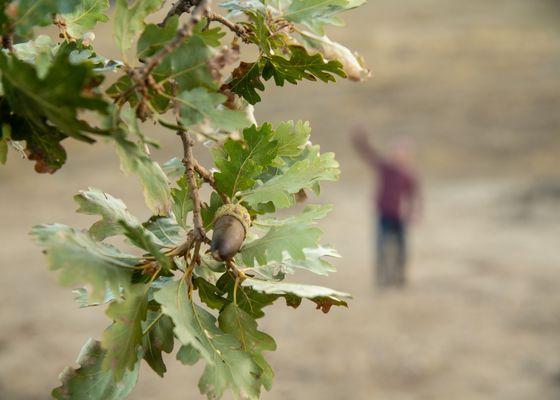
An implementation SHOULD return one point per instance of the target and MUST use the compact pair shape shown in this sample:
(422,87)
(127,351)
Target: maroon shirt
(396,188)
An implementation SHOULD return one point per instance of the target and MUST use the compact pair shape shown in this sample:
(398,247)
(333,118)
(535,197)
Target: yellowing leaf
(352,63)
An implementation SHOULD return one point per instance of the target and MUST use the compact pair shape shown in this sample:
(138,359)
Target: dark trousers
(391,252)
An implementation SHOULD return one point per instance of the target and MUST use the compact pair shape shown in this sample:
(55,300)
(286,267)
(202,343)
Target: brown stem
(189,163)
(178,8)
(7,42)
(238,272)
(239,30)
(209,178)
(190,269)
(184,247)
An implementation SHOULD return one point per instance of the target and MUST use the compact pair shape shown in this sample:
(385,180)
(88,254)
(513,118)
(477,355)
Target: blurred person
(397,201)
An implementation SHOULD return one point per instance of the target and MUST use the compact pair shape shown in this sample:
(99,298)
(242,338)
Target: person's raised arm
(366,151)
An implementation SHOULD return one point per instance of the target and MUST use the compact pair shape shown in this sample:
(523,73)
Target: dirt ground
(476,84)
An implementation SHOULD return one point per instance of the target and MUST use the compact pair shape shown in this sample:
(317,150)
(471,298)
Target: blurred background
(477,85)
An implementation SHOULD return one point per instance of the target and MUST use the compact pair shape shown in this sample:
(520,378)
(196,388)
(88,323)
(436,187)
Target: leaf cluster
(162,290)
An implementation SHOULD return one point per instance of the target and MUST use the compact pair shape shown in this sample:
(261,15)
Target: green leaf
(86,15)
(208,210)
(182,203)
(123,338)
(314,260)
(188,355)
(174,168)
(134,160)
(42,141)
(293,239)
(165,229)
(303,174)
(81,296)
(316,13)
(130,124)
(6,135)
(187,65)
(3,17)
(293,292)
(251,301)
(310,214)
(210,36)
(146,240)
(32,13)
(82,260)
(57,98)
(235,321)
(209,294)
(117,219)
(39,52)
(90,381)
(154,37)
(241,162)
(130,20)
(228,366)
(236,7)
(112,210)
(245,79)
(175,303)
(292,137)
(159,101)
(301,65)
(261,34)
(199,106)
(285,239)
(158,339)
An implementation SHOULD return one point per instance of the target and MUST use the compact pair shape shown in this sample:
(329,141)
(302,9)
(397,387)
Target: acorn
(231,223)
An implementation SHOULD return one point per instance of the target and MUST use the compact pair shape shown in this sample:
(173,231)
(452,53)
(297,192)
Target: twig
(209,178)
(178,8)
(238,272)
(239,277)
(184,247)
(189,163)
(190,269)
(7,42)
(239,30)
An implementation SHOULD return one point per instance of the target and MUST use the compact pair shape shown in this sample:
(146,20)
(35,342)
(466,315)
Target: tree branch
(189,163)
(239,30)
(178,8)
(209,178)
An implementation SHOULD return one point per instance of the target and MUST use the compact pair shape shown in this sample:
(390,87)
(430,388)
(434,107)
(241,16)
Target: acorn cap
(238,212)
